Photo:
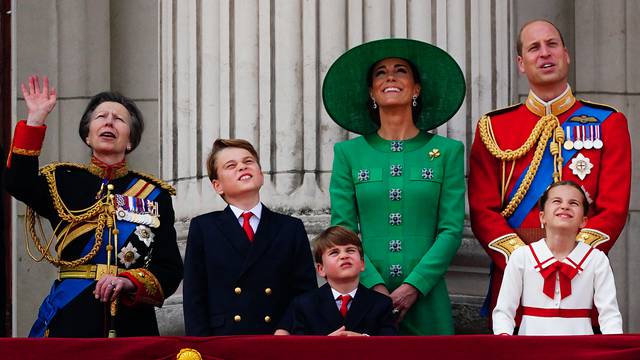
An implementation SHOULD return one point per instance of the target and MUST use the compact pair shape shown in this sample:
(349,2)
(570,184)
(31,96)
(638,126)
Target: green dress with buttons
(406,198)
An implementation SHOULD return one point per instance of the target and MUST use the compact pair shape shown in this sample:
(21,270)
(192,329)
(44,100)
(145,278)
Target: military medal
(597,143)
(137,211)
(588,142)
(578,143)
(568,144)
(581,166)
(128,255)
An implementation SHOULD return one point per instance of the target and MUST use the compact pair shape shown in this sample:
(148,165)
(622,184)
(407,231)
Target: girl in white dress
(557,280)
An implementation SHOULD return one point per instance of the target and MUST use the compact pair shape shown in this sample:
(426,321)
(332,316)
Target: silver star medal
(144,234)
(128,255)
(581,166)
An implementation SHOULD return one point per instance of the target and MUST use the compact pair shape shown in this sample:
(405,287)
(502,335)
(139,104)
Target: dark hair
(545,196)
(519,40)
(221,144)
(137,122)
(334,236)
(375,113)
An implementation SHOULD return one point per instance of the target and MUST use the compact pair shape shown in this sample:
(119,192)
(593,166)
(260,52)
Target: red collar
(106,171)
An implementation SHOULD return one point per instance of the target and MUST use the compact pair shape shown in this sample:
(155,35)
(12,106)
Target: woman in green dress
(398,185)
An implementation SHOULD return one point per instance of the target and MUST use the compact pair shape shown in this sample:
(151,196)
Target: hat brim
(345,92)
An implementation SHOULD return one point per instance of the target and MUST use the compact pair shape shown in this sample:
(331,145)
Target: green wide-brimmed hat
(345,92)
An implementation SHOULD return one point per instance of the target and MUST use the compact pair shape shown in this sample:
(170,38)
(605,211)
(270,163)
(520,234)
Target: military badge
(578,144)
(128,255)
(137,210)
(597,141)
(568,144)
(581,166)
(144,234)
(583,119)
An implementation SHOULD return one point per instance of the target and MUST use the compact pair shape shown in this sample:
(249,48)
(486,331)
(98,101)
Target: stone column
(254,69)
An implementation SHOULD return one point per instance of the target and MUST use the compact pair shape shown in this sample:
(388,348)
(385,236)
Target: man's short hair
(519,40)
(221,144)
(334,236)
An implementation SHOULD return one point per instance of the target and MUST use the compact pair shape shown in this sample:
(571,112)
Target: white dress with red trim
(557,296)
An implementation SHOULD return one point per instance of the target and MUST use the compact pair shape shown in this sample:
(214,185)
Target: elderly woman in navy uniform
(114,241)
(399,185)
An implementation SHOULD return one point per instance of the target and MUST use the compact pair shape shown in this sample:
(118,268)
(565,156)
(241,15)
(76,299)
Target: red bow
(565,272)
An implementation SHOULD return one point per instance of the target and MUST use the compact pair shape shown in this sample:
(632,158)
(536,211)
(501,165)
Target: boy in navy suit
(343,306)
(245,264)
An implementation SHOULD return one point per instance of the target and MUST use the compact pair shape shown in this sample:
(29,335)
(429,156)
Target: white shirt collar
(336,293)
(256,210)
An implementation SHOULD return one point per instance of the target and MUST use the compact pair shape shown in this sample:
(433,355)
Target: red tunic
(607,185)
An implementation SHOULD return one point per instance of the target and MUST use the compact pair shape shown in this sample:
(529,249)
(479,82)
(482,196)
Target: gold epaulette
(502,110)
(599,105)
(506,244)
(160,183)
(592,237)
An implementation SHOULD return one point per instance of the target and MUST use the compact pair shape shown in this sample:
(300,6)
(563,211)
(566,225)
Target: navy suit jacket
(234,286)
(316,313)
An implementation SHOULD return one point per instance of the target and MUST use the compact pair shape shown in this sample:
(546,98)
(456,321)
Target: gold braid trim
(506,244)
(547,126)
(102,213)
(25,152)
(592,237)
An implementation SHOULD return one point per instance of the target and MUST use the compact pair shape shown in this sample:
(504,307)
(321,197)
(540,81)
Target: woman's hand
(109,287)
(381,289)
(403,299)
(40,102)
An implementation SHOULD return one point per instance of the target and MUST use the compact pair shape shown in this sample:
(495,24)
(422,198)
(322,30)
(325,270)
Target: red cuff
(148,289)
(27,140)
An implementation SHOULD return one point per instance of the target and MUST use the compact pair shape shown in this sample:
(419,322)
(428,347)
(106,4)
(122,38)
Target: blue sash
(544,176)
(64,291)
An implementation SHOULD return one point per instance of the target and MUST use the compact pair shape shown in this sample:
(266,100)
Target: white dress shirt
(254,220)
(337,297)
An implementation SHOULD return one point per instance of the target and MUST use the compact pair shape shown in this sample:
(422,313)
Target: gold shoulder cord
(102,213)
(547,126)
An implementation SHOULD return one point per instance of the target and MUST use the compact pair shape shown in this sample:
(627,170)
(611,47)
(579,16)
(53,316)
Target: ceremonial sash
(64,291)
(544,176)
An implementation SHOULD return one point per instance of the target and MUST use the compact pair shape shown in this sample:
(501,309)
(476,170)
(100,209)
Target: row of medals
(587,137)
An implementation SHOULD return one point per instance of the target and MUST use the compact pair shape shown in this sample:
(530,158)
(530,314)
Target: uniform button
(267,319)
(237,318)
(237,290)
(267,291)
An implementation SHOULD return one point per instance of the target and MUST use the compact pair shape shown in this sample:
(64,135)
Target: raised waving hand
(40,101)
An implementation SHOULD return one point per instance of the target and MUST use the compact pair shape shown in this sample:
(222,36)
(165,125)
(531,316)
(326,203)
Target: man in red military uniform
(520,150)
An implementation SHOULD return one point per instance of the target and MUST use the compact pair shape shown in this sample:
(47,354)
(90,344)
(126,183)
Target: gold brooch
(434,153)
(189,354)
